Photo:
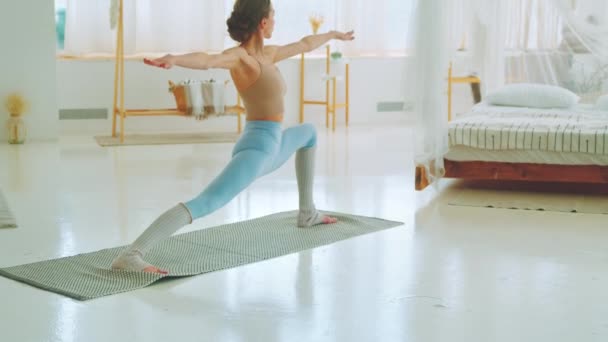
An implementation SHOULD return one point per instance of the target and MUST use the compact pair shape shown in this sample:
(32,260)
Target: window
(60,13)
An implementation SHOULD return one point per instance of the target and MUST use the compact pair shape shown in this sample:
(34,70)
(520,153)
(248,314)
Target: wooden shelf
(330,92)
(121,113)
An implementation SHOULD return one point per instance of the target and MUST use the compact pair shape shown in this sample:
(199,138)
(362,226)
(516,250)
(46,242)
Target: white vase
(17,131)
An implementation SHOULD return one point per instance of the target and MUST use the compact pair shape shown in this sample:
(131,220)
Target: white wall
(27,64)
(89,84)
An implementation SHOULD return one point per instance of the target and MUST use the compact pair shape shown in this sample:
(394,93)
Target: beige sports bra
(264,97)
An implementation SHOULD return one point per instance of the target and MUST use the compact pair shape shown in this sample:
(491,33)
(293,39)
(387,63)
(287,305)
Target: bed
(525,144)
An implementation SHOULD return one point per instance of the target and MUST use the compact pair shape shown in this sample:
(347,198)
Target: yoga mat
(88,276)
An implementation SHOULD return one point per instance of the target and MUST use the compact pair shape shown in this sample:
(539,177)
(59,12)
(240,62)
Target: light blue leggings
(261,149)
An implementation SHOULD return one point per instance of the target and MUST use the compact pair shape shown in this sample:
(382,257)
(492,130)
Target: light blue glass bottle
(60,27)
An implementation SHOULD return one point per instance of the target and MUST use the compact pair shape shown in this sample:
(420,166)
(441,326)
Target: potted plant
(16,106)
(336,57)
(338,62)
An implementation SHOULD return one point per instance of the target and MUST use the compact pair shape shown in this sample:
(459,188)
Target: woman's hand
(165,62)
(350,35)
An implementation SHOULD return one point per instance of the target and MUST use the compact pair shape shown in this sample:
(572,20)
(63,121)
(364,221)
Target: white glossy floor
(448,274)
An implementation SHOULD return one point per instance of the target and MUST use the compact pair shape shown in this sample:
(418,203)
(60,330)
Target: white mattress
(463,153)
(577,136)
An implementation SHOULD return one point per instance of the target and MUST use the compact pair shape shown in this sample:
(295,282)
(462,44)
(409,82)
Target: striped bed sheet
(494,128)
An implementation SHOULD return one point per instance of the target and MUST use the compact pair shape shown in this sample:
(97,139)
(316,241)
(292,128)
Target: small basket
(180,96)
(200,99)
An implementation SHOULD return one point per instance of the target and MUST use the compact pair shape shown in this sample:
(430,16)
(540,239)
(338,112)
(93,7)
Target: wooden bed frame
(480,170)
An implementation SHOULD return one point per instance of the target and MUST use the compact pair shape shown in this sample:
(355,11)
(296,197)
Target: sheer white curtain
(489,31)
(292,18)
(380,26)
(532,25)
(179,26)
(150,26)
(567,46)
(426,67)
(87,27)
(526,24)
(200,25)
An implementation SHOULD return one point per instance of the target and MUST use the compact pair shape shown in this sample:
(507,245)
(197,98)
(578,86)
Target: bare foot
(313,218)
(133,261)
(153,269)
(329,220)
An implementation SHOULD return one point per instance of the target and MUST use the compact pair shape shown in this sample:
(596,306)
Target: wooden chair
(474,81)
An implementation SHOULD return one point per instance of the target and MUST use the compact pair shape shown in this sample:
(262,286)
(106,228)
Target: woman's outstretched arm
(228,59)
(307,44)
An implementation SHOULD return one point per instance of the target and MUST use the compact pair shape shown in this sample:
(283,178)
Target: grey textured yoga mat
(7,220)
(87,276)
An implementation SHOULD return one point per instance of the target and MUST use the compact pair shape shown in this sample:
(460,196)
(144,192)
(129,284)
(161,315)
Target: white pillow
(602,103)
(532,96)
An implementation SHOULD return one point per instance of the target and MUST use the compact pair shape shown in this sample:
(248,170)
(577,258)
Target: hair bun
(245,18)
(240,27)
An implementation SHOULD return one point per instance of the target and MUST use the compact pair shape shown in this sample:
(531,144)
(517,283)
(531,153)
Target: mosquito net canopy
(554,42)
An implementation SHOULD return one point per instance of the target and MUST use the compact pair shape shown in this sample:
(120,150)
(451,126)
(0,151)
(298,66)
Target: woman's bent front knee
(241,171)
(311,131)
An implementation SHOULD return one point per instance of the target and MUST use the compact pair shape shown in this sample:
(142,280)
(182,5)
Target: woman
(262,147)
